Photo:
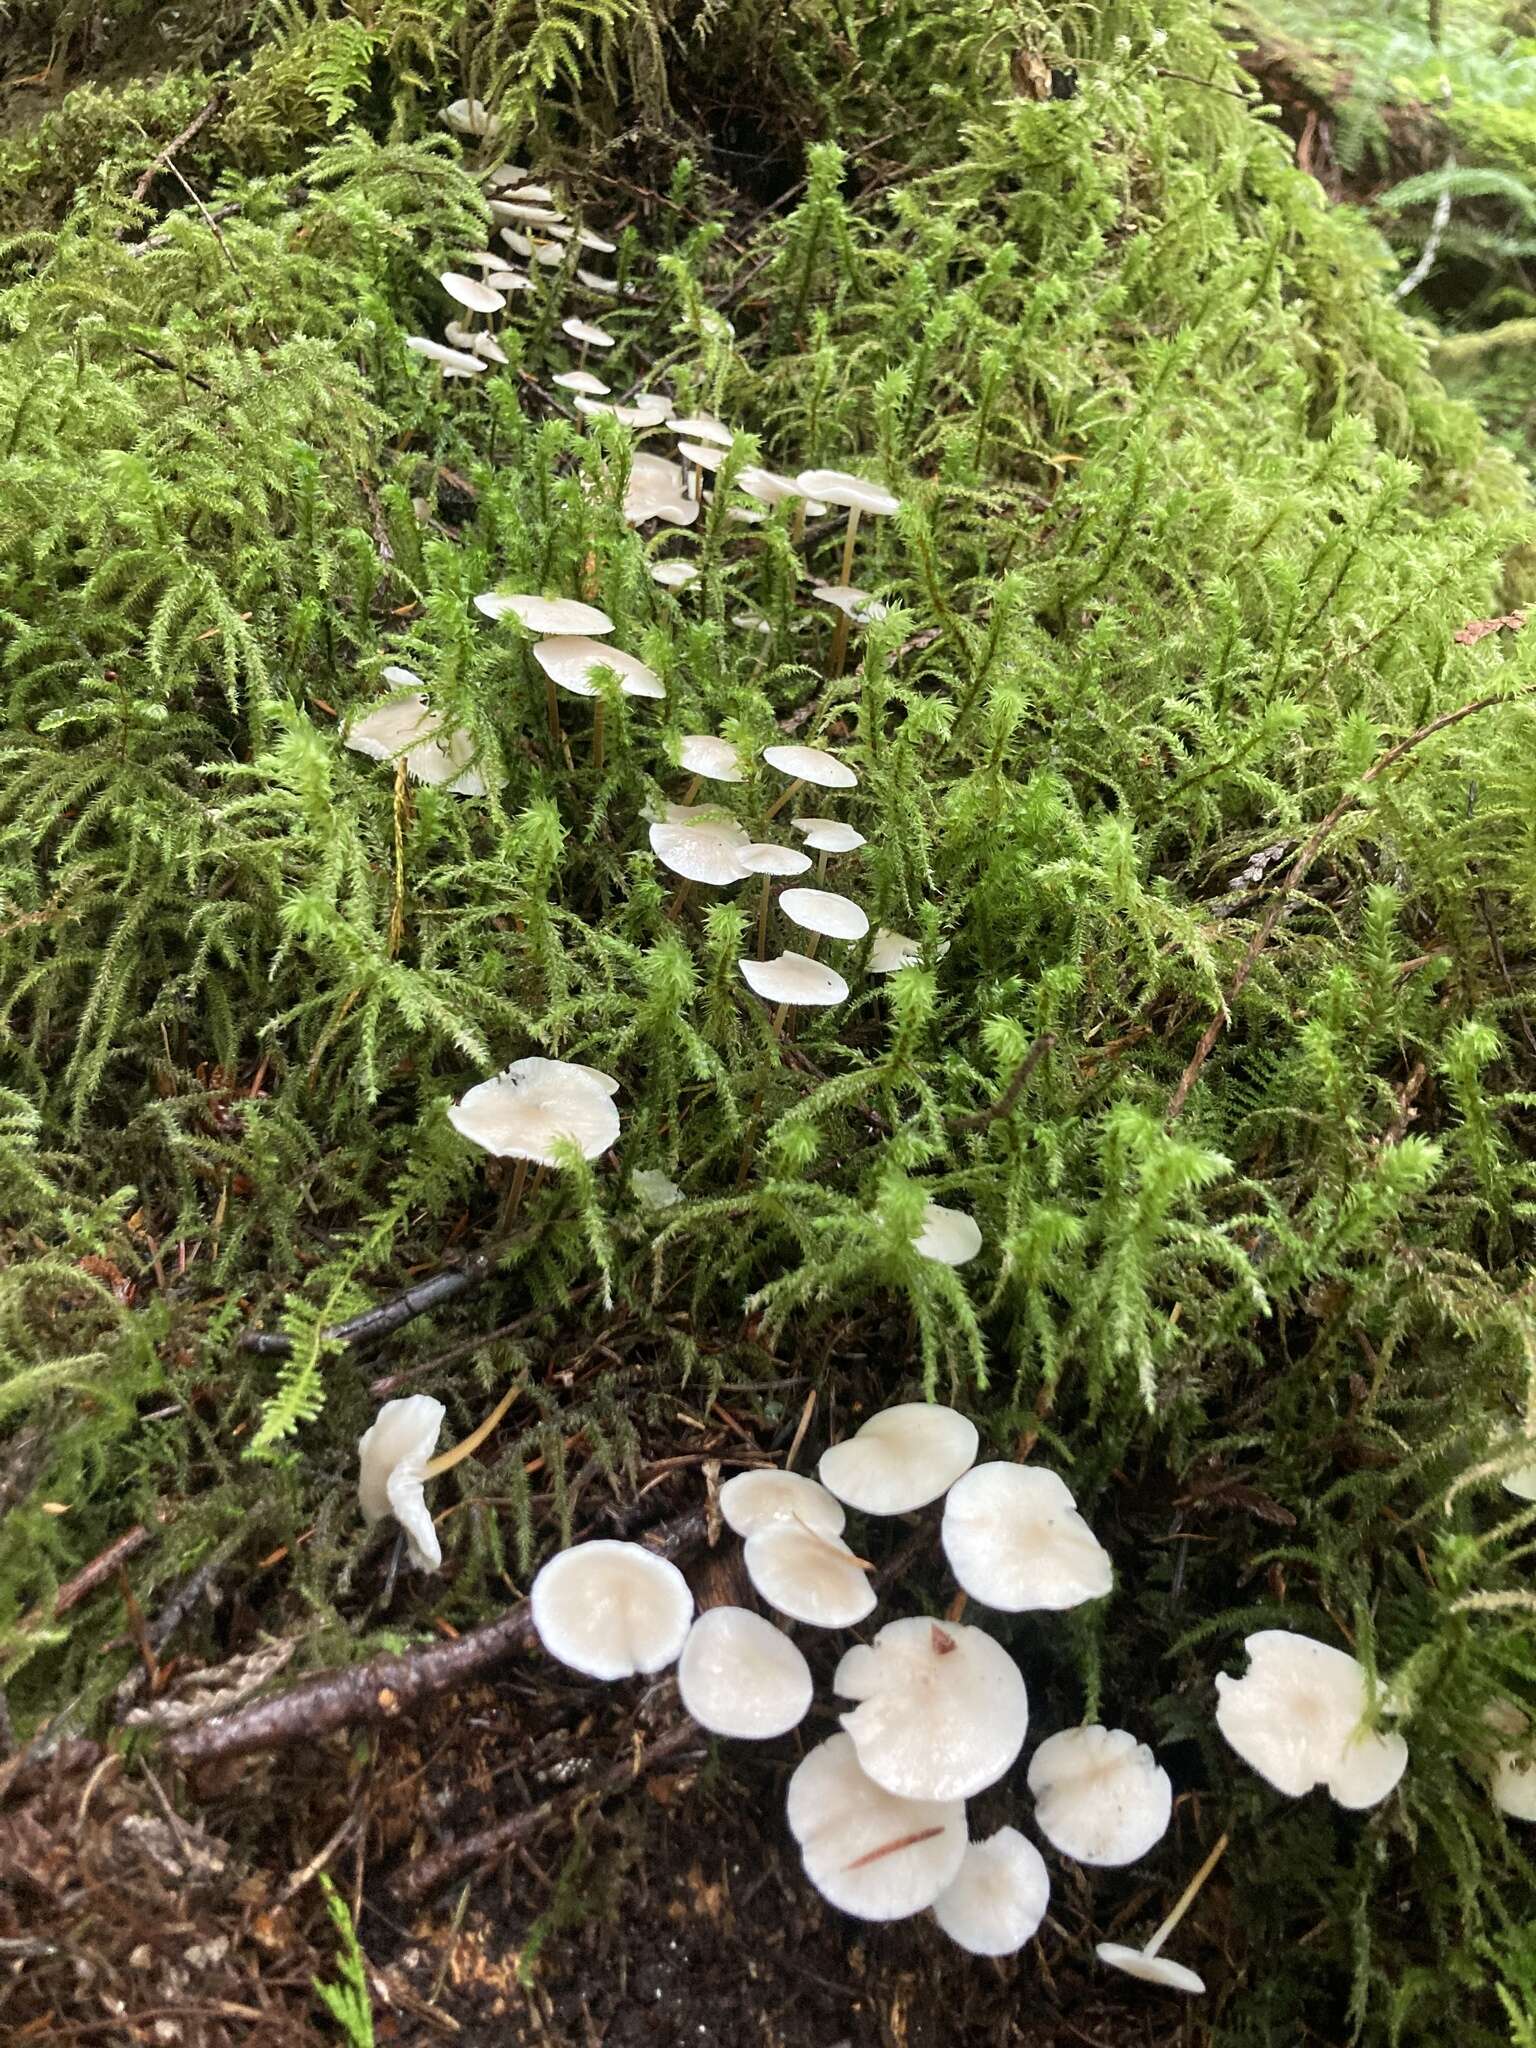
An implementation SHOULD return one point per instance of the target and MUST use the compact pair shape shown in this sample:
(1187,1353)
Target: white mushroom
(470,117)
(588,335)
(739,1675)
(839,487)
(509,280)
(655,491)
(765,485)
(535,1107)
(764,857)
(571,661)
(455,359)
(1160,1970)
(407,728)
(943,1710)
(544,615)
(820,910)
(702,845)
(702,427)
(901,1459)
(589,240)
(1101,1796)
(1297,1716)
(829,835)
(811,764)
(674,574)
(611,1610)
(751,622)
(584,382)
(794,981)
(639,415)
(753,1500)
(999,1897)
(1512,1775)
(530,212)
(857,605)
(470,292)
(393,1455)
(1521,1482)
(710,758)
(948,1236)
(537,195)
(1015,1541)
(869,1854)
(701,454)
(892,951)
(811,1578)
(656,1189)
(606,287)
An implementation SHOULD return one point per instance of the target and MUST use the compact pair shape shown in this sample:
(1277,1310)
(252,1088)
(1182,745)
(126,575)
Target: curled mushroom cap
(739,1675)
(1297,1718)
(901,1459)
(822,910)
(702,427)
(582,381)
(811,764)
(859,605)
(949,1236)
(764,857)
(534,1107)
(600,243)
(1015,1541)
(811,1578)
(510,188)
(999,1896)
(701,454)
(655,491)
(641,414)
(753,1500)
(393,1454)
(829,835)
(704,754)
(584,332)
(557,615)
(701,846)
(437,759)
(770,488)
(450,358)
(606,287)
(674,574)
(1159,1970)
(892,951)
(611,1609)
(571,662)
(872,1855)
(794,979)
(469,291)
(1101,1796)
(943,1711)
(838,487)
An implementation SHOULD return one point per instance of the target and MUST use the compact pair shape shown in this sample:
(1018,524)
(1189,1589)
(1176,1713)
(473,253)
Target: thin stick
(675,907)
(1187,1897)
(446,1460)
(199,120)
(552,708)
(980,1118)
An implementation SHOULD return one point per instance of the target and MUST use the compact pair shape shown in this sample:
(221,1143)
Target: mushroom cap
(639,415)
(439,352)
(469,291)
(482,259)
(811,764)
(1015,1541)
(569,660)
(943,1710)
(1512,1784)
(393,1454)
(1160,1970)
(1296,1718)
(949,1236)
(544,615)
(767,485)
(901,1459)
(582,381)
(704,847)
(1101,1797)
(470,117)
(892,951)
(538,195)
(674,575)
(611,1609)
(822,910)
(503,175)
(869,1854)
(859,605)
(483,344)
(766,857)
(509,280)
(407,727)
(1522,1482)
(584,331)
(751,622)
(591,240)
(596,282)
(514,207)
(829,835)
(753,1500)
(703,753)
(535,1106)
(739,1675)
(655,491)
(702,427)
(702,454)
(811,1578)
(656,1189)
(839,487)
(999,1897)
(794,979)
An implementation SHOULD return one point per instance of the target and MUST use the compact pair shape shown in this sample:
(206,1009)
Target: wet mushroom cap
(535,1107)
(1297,1717)
(942,1712)
(948,1236)
(822,910)
(752,1500)
(611,1610)
(470,292)
(701,454)
(739,1675)
(583,382)
(829,835)
(892,951)
(1159,1970)
(1101,1797)
(531,212)
(811,764)
(674,575)
(701,427)
(470,117)
(407,729)
(900,1459)
(1015,1541)
(1522,1482)
(795,979)
(998,1897)
(703,753)
(450,358)
(638,415)
(584,331)
(766,485)
(393,1454)
(766,857)
(858,605)
(544,615)
(509,280)
(839,487)
(705,848)
(811,1578)
(869,1854)
(571,662)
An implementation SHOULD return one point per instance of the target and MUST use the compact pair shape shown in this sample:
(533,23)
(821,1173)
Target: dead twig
(390,1315)
(980,1118)
(198,122)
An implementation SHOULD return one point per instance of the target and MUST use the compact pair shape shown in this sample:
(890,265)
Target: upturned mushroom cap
(869,1854)
(502,175)
(765,857)
(767,486)
(393,1454)
(1512,1784)
(999,1896)
(794,979)
(436,759)
(751,622)
(901,1459)
(535,1106)
(1015,1541)
(1297,1718)
(544,615)
(487,345)
(943,1711)
(536,195)
(439,352)
(469,291)
(739,1675)
(584,331)
(892,951)
(838,487)
(1159,1970)
(754,1500)
(611,1610)
(705,846)
(822,910)
(656,1189)
(810,764)
(674,575)
(811,1578)
(655,491)
(702,427)
(948,1236)
(571,661)
(829,835)
(582,381)
(715,759)
(859,605)
(1101,1797)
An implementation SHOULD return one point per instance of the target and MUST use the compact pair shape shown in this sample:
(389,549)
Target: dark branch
(980,1118)
(389,1315)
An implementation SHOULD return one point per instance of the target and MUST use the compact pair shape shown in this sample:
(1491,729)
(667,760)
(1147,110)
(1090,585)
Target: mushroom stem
(810,951)
(774,809)
(691,791)
(402,815)
(848,539)
(597,738)
(551,705)
(1188,1896)
(778,1019)
(821,865)
(675,907)
(514,1199)
(839,654)
(762,922)
(797,523)
(446,1460)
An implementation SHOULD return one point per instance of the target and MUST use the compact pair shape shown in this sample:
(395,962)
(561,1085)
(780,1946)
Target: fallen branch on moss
(390,1315)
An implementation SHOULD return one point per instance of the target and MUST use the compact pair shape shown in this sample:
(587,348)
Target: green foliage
(347,2001)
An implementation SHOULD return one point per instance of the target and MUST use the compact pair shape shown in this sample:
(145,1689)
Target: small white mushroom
(770,488)
(656,1189)
(588,335)
(470,117)
(393,1455)
(571,662)
(655,491)
(794,981)
(739,1675)
(535,215)
(765,857)
(701,454)
(811,764)
(857,605)
(583,382)
(674,574)
(811,1578)
(999,1897)
(1522,1482)
(869,1854)
(537,195)
(948,1236)
(456,359)
(751,622)
(502,175)
(829,835)
(710,758)
(509,280)
(544,615)
(588,239)
(1160,1970)
(1101,1797)
(892,951)
(534,1107)
(1015,1541)
(943,1709)
(640,415)
(605,287)
(820,910)
(1297,1717)
(901,1459)
(488,346)
(406,728)
(611,1610)
(702,427)
(470,292)
(839,487)
(1512,1772)
(701,845)
(752,1500)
